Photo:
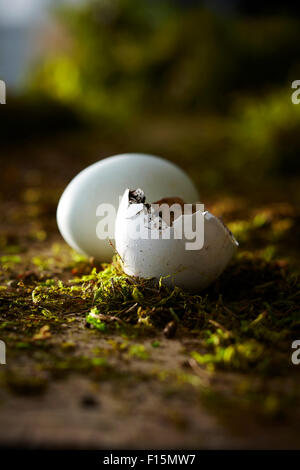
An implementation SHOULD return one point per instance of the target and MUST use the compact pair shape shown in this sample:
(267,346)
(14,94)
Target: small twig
(131,308)
(152,290)
(259,318)
(109,318)
(115,250)
(75,313)
(230,312)
(218,325)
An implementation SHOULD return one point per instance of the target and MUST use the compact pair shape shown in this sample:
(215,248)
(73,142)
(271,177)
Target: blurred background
(206,84)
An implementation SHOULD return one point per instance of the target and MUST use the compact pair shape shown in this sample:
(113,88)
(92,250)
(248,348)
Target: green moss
(244,323)
(237,326)
(239,356)
(93,319)
(9,261)
(138,351)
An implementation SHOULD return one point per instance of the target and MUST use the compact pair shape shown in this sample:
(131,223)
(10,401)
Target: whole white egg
(104,182)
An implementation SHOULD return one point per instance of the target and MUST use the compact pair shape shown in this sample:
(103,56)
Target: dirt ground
(67,385)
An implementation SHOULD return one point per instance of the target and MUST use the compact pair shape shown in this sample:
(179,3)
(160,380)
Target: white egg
(104,182)
(170,258)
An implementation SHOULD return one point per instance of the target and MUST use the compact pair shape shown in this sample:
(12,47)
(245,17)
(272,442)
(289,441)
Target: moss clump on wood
(239,328)
(67,317)
(246,320)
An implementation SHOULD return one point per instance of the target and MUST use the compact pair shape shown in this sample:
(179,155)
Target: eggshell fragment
(168,258)
(104,182)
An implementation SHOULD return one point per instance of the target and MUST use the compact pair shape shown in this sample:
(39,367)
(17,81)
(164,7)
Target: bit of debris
(43,333)
(137,196)
(170,329)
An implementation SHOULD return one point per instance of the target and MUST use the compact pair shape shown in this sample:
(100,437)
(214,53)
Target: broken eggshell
(168,258)
(102,184)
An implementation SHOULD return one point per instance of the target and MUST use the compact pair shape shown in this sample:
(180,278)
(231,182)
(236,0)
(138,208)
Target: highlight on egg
(82,214)
(158,253)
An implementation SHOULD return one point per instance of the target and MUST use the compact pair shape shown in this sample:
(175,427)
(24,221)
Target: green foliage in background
(125,60)
(265,131)
(120,56)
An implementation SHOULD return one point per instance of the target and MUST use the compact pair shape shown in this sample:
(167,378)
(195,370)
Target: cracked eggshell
(105,182)
(190,269)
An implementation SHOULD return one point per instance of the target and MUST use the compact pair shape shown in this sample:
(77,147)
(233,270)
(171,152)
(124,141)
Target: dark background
(207,84)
